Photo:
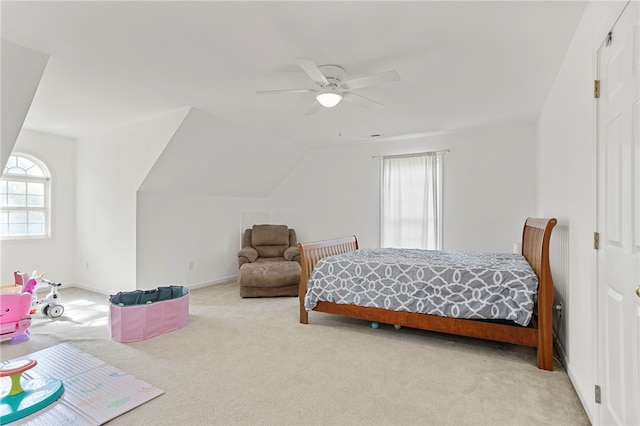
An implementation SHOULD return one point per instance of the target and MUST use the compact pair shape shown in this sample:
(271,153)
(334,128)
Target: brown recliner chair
(269,262)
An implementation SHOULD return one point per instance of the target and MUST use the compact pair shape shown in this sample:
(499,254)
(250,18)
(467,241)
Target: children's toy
(29,397)
(142,314)
(14,316)
(50,304)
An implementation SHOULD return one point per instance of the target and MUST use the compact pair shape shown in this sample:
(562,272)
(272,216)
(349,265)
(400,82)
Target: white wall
(111,167)
(191,202)
(55,255)
(485,205)
(566,182)
(489,189)
(175,229)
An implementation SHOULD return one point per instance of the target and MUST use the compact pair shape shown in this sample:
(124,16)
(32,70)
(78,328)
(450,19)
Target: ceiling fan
(333,88)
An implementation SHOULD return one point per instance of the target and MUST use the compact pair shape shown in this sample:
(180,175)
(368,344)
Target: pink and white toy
(49,305)
(15,317)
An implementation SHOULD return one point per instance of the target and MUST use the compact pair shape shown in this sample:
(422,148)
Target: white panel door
(619,221)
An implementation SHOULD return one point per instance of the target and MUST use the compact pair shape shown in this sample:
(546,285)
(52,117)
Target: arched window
(24,198)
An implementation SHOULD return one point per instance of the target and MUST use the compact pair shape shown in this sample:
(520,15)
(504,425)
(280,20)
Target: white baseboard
(83,287)
(584,399)
(223,280)
(559,347)
(214,282)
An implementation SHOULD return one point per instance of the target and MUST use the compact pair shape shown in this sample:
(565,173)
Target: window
(24,198)
(411,201)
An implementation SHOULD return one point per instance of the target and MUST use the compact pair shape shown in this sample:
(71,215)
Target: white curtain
(411,211)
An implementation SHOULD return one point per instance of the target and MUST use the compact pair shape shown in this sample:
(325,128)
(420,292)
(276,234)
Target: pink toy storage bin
(142,314)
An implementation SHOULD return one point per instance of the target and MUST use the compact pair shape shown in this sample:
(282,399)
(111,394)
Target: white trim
(225,280)
(417,154)
(219,281)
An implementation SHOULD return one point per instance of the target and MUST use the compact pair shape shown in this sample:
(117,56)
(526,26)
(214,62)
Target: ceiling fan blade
(362,101)
(314,108)
(372,80)
(313,71)
(277,92)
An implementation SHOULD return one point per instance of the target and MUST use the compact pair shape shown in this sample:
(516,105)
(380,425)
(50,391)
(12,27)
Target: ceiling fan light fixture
(328,97)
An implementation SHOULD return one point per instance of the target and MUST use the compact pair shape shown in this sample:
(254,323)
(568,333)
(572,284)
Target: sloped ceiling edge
(209,156)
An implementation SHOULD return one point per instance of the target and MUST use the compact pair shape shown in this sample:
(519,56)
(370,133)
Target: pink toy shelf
(142,314)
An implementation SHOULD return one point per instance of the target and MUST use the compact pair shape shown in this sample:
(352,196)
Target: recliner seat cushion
(269,274)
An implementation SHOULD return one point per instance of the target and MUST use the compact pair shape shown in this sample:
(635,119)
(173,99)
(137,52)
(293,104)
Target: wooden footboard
(310,254)
(535,248)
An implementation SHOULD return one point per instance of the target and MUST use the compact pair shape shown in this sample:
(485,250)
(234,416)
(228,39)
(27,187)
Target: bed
(535,331)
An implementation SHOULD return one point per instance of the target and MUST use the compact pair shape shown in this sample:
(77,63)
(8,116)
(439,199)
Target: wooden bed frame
(539,334)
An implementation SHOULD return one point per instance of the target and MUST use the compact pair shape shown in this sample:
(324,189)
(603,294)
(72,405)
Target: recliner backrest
(270,240)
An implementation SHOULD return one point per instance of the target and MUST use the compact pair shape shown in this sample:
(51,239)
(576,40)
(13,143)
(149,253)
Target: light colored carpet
(250,362)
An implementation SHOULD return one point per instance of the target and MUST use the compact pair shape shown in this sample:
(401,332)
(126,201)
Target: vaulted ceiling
(462,64)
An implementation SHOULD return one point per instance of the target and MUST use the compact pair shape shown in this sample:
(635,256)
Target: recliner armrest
(248,253)
(292,253)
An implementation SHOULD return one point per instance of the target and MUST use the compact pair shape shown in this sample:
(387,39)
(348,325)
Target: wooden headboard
(536,236)
(535,248)
(535,243)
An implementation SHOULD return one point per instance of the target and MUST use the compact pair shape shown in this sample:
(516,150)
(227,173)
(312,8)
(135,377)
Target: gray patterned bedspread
(451,284)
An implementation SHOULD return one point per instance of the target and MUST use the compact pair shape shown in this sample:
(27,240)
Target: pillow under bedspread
(450,284)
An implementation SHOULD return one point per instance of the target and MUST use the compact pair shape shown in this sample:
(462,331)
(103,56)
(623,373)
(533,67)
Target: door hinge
(598,395)
(596,89)
(596,240)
